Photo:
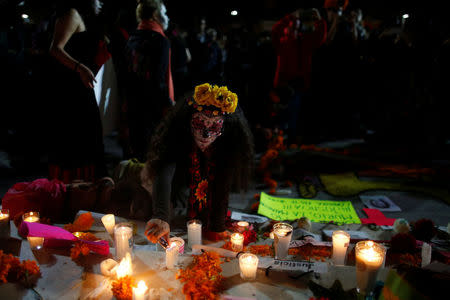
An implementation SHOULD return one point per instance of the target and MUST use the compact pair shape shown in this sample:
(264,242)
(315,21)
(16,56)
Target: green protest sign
(321,211)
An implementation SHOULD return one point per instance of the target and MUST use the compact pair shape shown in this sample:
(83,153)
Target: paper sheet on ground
(238,216)
(380,202)
(321,211)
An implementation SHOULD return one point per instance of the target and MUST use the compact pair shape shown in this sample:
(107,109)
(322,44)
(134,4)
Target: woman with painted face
(76,150)
(148,88)
(200,152)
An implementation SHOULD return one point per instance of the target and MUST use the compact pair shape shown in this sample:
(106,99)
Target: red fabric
(334,4)
(154,26)
(42,195)
(86,173)
(295,49)
(103,54)
(375,216)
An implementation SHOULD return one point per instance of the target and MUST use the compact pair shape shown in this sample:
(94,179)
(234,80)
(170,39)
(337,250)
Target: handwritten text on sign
(276,208)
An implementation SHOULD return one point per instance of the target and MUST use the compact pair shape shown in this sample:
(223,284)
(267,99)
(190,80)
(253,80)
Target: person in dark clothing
(77,151)
(149,89)
(202,150)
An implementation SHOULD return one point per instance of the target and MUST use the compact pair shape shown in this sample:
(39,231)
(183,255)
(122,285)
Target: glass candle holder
(5,227)
(237,241)
(194,232)
(369,260)
(242,226)
(248,264)
(123,239)
(35,242)
(282,233)
(341,239)
(32,216)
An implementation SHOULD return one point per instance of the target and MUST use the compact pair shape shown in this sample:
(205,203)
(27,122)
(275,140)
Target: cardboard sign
(321,211)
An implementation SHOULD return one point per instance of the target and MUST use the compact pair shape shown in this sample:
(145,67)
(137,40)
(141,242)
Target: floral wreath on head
(212,97)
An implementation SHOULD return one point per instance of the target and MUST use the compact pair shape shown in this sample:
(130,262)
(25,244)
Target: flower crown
(219,99)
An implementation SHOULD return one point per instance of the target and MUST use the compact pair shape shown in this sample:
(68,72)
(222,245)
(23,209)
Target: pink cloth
(59,237)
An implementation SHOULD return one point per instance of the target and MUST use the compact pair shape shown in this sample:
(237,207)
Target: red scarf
(154,26)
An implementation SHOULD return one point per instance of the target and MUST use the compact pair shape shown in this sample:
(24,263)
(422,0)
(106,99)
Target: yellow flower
(202,94)
(230,103)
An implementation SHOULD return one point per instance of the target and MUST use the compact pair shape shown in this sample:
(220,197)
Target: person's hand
(87,76)
(155,229)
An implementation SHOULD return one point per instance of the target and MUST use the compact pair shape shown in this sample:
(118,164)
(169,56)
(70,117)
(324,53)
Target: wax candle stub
(341,240)
(32,217)
(248,265)
(172,253)
(194,232)
(242,226)
(109,221)
(369,260)
(282,237)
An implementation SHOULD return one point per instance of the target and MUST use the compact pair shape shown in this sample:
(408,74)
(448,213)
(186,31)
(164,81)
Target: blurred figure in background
(149,86)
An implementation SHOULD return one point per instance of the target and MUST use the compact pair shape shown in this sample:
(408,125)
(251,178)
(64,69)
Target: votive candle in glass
(242,226)
(369,260)
(32,216)
(248,264)
(36,242)
(123,239)
(5,228)
(341,239)
(172,255)
(194,232)
(140,292)
(109,221)
(237,242)
(282,237)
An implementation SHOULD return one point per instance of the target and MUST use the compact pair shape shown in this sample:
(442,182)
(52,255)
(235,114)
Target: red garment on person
(152,25)
(295,49)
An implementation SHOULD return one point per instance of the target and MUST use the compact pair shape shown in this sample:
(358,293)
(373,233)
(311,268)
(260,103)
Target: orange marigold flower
(272,191)
(122,288)
(201,191)
(82,223)
(78,249)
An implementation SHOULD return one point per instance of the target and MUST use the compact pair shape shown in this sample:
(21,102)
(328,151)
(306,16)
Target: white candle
(109,222)
(282,237)
(123,240)
(369,259)
(248,264)
(341,239)
(172,255)
(242,226)
(237,242)
(5,229)
(35,242)
(179,242)
(140,292)
(31,217)
(194,232)
(124,268)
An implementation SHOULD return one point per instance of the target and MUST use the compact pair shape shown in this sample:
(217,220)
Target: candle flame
(370,243)
(124,267)
(141,287)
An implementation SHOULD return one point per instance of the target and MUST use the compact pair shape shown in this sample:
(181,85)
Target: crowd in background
(382,80)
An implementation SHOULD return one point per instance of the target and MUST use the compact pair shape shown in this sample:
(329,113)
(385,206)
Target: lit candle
(237,242)
(282,237)
(35,242)
(242,226)
(369,259)
(172,255)
(194,232)
(341,239)
(123,239)
(124,267)
(248,264)
(31,217)
(77,234)
(109,222)
(179,242)
(5,229)
(140,292)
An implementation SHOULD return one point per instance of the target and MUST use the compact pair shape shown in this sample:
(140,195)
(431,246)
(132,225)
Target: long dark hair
(233,151)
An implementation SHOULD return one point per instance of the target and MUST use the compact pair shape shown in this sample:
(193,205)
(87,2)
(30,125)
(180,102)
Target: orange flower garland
(87,236)
(82,223)
(79,249)
(122,288)
(13,270)
(202,279)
